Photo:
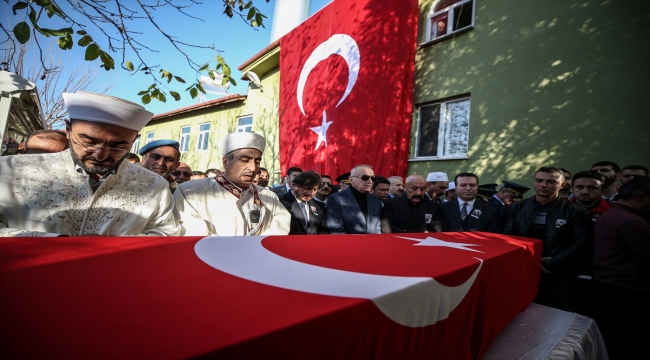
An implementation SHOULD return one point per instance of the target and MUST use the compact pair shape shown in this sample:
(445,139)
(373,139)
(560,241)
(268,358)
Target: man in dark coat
(562,226)
(413,211)
(307,214)
(466,213)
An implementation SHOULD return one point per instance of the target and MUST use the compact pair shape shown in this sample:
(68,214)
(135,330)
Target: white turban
(106,109)
(437,176)
(241,140)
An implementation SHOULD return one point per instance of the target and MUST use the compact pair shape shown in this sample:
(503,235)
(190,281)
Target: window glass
(185,138)
(245,124)
(443,129)
(204,136)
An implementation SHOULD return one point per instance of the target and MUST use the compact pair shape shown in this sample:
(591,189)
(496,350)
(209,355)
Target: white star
(322,131)
(429,241)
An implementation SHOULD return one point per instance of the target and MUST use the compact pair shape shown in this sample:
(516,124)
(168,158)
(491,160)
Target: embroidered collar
(236,190)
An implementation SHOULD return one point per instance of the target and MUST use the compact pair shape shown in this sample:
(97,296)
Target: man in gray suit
(355,210)
(286,187)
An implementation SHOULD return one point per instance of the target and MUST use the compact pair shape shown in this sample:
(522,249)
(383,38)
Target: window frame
(243,127)
(149,138)
(450,14)
(442,130)
(136,145)
(187,142)
(199,139)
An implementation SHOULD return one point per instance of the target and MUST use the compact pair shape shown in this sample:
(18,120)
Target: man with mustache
(412,211)
(161,157)
(87,189)
(229,204)
(465,213)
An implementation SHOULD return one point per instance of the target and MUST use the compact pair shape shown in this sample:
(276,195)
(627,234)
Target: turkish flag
(307,297)
(346,88)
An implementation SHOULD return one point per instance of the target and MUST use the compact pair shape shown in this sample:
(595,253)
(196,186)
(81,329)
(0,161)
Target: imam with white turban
(216,206)
(48,195)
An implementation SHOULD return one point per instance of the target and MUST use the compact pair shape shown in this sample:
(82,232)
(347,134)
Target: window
(245,124)
(136,146)
(443,130)
(204,136)
(185,138)
(447,17)
(149,137)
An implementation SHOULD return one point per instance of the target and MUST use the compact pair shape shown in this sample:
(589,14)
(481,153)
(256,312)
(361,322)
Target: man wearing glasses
(354,210)
(87,189)
(325,189)
(182,173)
(161,157)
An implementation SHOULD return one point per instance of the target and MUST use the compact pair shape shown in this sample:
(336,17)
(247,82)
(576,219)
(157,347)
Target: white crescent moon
(338,44)
(409,301)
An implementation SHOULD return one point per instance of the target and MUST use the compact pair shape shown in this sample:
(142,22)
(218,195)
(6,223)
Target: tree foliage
(104,29)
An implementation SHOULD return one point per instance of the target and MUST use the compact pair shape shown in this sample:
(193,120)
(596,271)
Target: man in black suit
(307,215)
(413,211)
(467,214)
(286,187)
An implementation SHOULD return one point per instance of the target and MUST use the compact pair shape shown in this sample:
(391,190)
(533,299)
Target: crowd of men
(75,182)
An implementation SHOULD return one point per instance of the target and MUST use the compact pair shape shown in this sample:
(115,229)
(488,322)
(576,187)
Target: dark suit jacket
(397,216)
(316,219)
(280,190)
(488,220)
(345,217)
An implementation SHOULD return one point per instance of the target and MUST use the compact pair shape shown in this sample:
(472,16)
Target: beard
(609,181)
(99,170)
(164,170)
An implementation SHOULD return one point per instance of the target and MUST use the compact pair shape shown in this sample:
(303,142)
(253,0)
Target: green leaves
(92,52)
(19,6)
(21,31)
(84,41)
(65,42)
(129,65)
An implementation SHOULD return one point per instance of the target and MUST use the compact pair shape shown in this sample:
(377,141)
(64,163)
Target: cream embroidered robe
(206,208)
(43,195)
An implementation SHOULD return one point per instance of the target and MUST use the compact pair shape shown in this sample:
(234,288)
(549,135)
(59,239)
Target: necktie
(304,212)
(463,211)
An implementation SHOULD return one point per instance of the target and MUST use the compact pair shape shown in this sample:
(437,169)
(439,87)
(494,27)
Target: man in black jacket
(307,215)
(562,226)
(413,211)
(467,214)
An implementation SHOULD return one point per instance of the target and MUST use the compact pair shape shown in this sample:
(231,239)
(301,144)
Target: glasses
(94,148)
(184,173)
(364,177)
(326,184)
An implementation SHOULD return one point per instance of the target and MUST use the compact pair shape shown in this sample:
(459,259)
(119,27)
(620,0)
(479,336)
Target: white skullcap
(452,186)
(106,109)
(241,140)
(437,176)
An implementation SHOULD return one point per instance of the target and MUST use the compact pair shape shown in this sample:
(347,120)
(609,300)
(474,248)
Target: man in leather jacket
(563,227)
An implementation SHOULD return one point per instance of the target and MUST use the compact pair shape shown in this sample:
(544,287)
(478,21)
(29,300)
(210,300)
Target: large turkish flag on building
(346,88)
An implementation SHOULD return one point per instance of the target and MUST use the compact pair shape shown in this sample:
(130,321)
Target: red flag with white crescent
(346,88)
(410,296)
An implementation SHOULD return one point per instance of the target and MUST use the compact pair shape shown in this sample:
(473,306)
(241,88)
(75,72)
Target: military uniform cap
(158,143)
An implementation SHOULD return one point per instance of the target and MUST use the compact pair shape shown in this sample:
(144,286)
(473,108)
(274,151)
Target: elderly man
(413,211)
(438,182)
(161,157)
(466,213)
(229,204)
(182,173)
(88,189)
(307,215)
(354,210)
(562,226)
(396,186)
(45,142)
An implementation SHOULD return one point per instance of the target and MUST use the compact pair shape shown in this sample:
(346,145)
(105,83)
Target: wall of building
(560,83)
(222,119)
(263,104)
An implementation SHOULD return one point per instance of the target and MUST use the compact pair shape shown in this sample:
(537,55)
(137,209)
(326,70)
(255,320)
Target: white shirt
(470,205)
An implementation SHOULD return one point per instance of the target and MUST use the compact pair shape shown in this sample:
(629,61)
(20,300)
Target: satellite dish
(254,79)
